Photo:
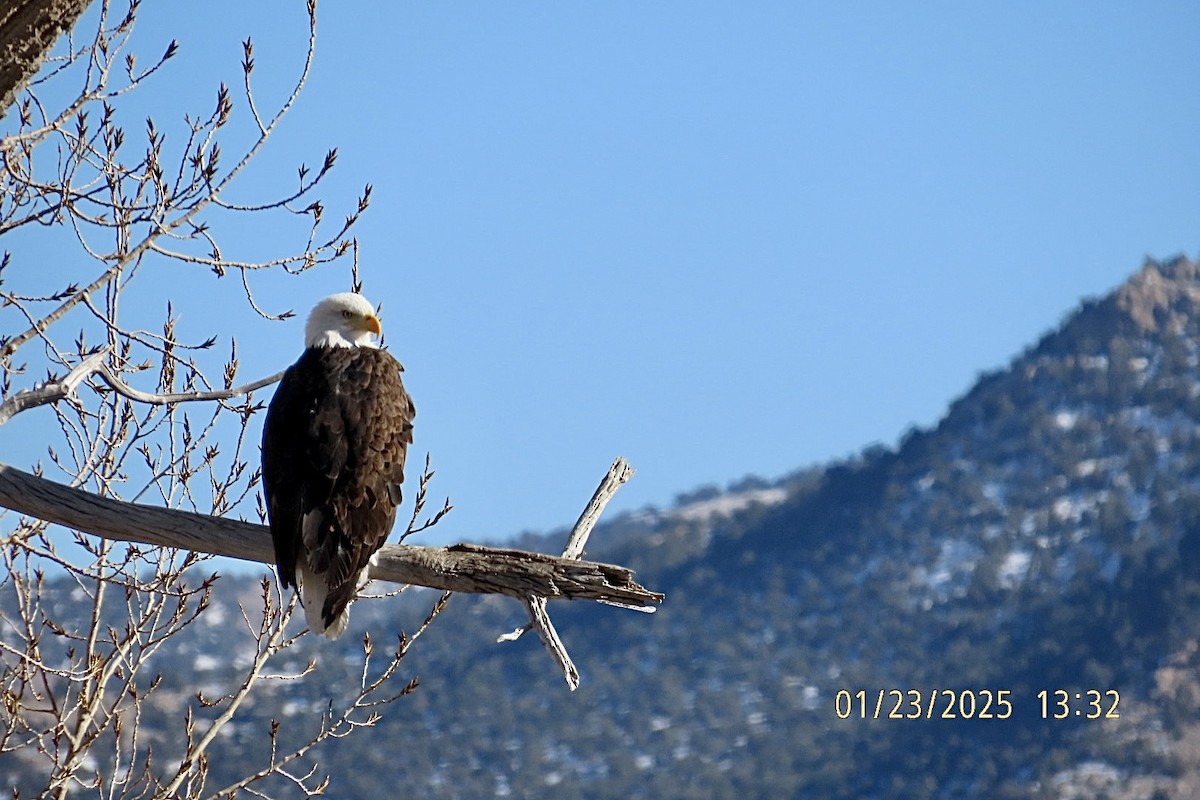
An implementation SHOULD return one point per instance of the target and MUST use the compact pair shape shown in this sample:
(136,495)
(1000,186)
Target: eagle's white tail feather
(313,592)
(312,595)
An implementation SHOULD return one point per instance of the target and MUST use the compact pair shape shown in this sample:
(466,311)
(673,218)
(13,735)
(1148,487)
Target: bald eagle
(333,452)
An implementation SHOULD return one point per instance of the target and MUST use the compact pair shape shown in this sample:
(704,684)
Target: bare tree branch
(150,398)
(539,618)
(53,391)
(458,568)
(540,621)
(618,475)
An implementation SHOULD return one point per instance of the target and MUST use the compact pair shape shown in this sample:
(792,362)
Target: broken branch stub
(535,603)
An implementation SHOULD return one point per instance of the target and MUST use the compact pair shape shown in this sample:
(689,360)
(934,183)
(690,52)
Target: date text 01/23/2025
(993,704)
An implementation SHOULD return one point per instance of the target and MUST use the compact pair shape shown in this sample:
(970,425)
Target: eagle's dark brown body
(333,452)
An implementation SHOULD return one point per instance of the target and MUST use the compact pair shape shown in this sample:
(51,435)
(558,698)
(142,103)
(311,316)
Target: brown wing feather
(299,453)
(377,414)
(333,452)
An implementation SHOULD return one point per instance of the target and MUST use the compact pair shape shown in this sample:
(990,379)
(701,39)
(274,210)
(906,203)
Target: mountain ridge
(1042,536)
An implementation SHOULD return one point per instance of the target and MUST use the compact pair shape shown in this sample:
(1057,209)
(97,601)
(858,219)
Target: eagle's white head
(342,320)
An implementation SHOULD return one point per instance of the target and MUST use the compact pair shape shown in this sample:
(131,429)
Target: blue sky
(716,238)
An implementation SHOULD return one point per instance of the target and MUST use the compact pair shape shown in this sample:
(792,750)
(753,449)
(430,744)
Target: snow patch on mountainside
(728,504)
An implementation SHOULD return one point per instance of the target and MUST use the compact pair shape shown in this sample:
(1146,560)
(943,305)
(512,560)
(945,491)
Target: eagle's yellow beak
(370,323)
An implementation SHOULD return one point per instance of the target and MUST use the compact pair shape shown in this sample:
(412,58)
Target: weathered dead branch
(535,603)
(459,568)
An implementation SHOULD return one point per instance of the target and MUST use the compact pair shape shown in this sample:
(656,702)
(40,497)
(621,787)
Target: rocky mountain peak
(1162,295)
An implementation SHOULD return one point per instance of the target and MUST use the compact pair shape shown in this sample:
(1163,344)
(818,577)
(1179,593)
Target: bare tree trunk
(28,29)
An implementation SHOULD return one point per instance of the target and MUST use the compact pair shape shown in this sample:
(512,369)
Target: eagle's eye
(347,313)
